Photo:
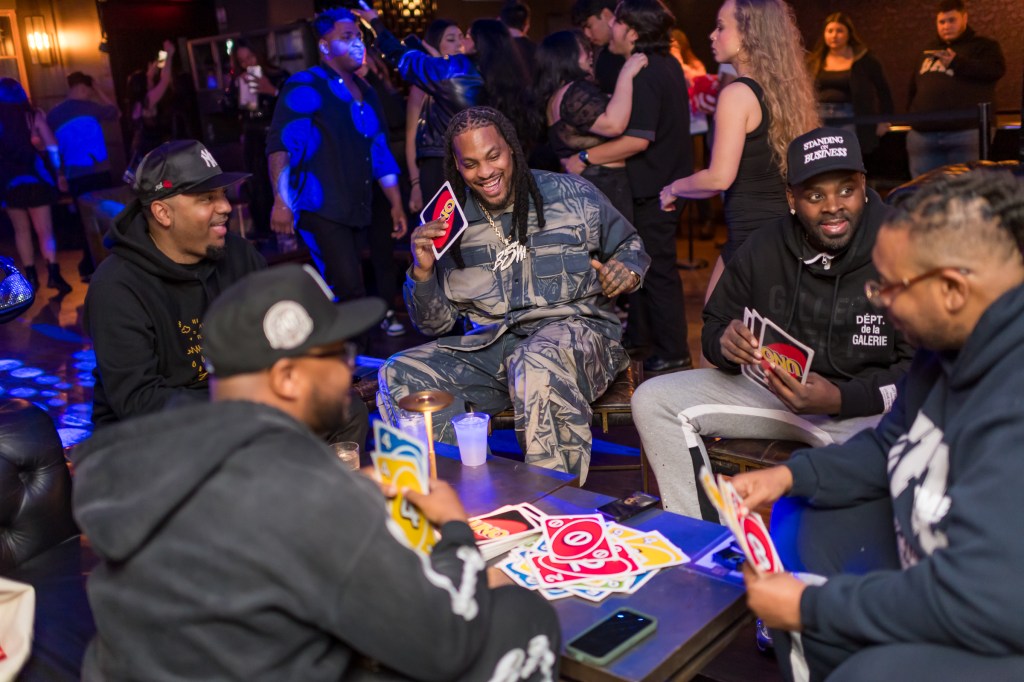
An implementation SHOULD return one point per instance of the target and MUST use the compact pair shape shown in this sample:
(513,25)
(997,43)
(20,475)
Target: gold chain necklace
(514,252)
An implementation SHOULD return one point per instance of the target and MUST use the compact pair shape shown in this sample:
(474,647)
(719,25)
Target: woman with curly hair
(758,115)
(849,79)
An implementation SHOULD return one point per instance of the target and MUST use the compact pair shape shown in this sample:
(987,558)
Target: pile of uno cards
(776,347)
(748,527)
(402,460)
(589,557)
(445,207)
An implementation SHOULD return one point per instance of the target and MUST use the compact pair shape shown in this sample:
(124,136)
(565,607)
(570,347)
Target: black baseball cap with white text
(281,312)
(820,151)
(180,167)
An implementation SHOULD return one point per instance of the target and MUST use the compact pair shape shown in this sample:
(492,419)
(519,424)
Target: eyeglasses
(881,295)
(347,354)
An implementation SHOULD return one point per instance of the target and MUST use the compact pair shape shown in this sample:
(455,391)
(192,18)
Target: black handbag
(16,294)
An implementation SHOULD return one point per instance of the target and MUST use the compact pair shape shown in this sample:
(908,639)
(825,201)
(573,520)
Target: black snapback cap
(180,167)
(281,312)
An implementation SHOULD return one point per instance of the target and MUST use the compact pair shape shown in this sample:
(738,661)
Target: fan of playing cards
(748,527)
(583,556)
(778,348)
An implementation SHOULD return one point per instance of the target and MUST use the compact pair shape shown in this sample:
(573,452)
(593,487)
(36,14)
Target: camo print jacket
(553,282)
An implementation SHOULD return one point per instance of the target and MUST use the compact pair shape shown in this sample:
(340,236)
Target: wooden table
(499,482)
(698,612)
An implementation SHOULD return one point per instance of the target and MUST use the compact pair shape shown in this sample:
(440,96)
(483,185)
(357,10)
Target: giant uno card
(445,207)
(402,461)
(785,351)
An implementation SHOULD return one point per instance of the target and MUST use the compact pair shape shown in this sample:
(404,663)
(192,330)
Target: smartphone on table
(627,507)
(610,638)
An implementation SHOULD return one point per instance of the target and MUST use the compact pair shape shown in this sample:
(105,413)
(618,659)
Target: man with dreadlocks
(534,275)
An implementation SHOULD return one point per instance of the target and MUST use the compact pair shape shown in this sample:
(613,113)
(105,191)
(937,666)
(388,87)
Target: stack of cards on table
(402,460)
(589,557)
(502,529)
(778,348)
(748,527)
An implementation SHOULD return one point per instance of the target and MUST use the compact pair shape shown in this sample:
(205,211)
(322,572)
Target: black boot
(32,277)
(55,281)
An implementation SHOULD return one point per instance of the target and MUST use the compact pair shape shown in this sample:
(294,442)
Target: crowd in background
(568,95)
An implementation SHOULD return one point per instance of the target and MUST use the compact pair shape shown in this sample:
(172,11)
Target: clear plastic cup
(348,452)
(471,432)
(413,424)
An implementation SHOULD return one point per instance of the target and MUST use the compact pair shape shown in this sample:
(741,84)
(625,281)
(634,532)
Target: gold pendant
(513,253)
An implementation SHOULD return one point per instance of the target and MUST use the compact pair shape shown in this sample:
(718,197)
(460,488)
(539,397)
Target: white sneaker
(391,325)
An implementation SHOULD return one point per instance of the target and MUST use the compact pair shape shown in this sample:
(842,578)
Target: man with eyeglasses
(235,545)
(806,273)
(914,523)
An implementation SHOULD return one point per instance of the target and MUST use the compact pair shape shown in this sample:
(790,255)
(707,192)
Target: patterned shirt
(554,281)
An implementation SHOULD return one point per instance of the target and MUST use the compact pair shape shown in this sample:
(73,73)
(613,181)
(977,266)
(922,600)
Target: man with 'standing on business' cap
(806,273)
(259,554)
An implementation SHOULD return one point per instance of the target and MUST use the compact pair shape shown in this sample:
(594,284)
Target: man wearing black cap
(255,554)
(171,255)
(806,274)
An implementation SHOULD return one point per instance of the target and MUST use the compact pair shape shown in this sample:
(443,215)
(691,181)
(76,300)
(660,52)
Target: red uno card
(785,351)
(501,524)
(760,548)
(577,538)
(445,206)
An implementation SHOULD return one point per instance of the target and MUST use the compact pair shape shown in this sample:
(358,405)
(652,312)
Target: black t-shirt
(661,114)
(607,65)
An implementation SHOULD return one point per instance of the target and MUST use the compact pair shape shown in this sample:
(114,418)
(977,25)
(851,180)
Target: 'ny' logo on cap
(208,158)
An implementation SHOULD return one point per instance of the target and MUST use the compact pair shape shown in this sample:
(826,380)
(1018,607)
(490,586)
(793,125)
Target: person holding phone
(252,91)
(957,70)
(149,106)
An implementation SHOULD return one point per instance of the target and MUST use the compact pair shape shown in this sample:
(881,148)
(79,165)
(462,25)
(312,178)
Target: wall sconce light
(40,43)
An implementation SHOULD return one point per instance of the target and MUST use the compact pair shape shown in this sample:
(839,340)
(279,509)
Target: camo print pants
(549,377)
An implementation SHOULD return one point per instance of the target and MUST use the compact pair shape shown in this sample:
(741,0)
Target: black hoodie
(970,79)
(855,346)
(144,313)
(249,552)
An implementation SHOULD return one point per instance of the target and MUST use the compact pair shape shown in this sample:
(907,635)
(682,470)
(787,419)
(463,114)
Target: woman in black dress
(27,186)
(579,116)
(849,79)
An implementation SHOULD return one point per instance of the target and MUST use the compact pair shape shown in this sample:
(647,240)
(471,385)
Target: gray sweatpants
(549,378)
(673,412)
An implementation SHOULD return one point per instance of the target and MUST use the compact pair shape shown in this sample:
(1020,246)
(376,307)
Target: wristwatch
(585,157)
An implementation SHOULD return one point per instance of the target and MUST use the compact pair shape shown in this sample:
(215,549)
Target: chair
(732,456)
(611,409)
(35,486)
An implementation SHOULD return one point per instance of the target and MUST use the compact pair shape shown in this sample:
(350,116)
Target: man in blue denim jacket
(534,274)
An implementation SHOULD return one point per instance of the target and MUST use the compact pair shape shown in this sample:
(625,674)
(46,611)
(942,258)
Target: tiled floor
(45,358)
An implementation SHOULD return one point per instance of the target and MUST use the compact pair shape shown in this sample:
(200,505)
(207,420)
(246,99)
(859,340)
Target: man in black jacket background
(958,69)
(807,274)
